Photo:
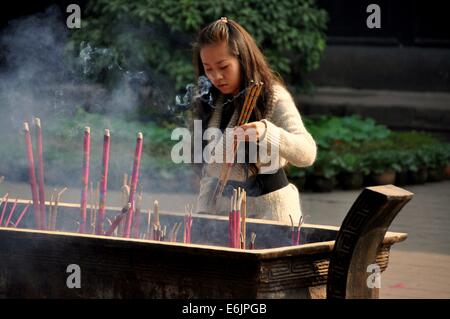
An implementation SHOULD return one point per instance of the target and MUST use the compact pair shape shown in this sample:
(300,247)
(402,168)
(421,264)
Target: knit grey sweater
(285,134)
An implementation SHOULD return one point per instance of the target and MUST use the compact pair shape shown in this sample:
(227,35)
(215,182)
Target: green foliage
(352,163)
(327,164)
(380,161)
(158,34)
(353,144)
(433,155)
(413,139)
(331,131)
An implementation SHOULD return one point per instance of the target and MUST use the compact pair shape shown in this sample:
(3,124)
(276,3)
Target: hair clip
(224,19)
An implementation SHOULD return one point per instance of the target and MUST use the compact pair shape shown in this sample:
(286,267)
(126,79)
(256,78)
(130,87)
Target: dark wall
(411,50)
(407,23)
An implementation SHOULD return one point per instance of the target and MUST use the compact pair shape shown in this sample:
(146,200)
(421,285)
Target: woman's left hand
(250,132)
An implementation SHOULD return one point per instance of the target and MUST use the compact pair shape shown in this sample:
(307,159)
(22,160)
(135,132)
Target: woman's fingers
(250,132)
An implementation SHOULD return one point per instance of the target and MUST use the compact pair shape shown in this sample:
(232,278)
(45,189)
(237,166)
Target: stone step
(398,110)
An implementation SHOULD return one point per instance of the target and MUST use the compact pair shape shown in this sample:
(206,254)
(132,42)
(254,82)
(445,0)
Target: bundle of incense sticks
(249,104)
(134,182)
(187,224)
(85,178)
(295,235)
(103,184)
(32,177)
(236,236)
(40,159)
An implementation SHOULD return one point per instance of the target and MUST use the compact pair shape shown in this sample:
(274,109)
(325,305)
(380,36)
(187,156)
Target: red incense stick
(134,182)
(238,218)
(103,184)
(40,158)
(85,177)
(32,177)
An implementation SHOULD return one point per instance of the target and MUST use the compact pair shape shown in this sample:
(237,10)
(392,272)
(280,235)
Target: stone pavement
(419,267)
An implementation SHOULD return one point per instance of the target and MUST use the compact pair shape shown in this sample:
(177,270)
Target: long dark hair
(253,65)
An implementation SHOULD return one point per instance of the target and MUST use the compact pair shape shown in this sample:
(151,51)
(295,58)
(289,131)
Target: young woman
(228,56)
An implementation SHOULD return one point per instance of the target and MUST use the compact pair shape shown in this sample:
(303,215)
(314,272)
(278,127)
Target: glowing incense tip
(87,129)
(26,127)
(140,136)
(107,132)
(37,122)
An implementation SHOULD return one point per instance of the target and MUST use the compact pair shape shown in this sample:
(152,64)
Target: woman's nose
(218,76)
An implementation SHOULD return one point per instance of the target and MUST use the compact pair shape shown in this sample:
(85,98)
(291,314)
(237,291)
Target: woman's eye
(224,67)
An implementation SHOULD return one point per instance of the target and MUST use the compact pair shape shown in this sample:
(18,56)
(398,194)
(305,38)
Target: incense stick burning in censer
(100,220)
(32,177)
(134,182)
(37,123)
(85,178)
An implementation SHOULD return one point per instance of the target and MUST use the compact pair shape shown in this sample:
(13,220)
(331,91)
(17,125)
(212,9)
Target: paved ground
(419,267)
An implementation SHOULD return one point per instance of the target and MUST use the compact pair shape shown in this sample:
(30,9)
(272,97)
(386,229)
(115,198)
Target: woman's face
(221,67)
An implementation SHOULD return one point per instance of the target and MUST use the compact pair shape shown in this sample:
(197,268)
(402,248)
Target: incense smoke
(41,77)
(201,91)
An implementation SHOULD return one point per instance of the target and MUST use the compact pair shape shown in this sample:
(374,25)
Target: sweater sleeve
(286,129)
